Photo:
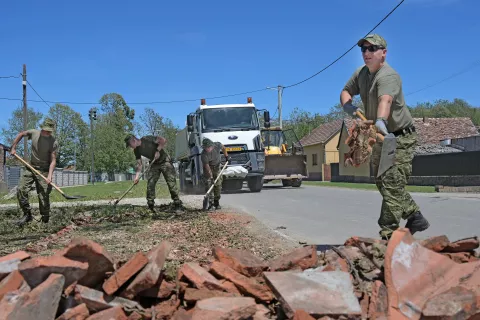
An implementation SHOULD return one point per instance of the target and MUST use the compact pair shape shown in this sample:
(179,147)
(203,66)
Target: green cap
(374,39)
(127,139)
(48,125)
(207,143)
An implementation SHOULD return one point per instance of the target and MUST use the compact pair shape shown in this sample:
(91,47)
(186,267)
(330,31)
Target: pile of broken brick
(364,279)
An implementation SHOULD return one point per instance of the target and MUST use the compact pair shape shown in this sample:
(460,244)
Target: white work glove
(381,126)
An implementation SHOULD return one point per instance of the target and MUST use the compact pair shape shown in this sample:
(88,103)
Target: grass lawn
(365,186)
(100,191)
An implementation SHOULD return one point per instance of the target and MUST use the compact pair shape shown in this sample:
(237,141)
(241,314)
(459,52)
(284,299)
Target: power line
(470,67)
(316,74)
(7,77)
(37,93)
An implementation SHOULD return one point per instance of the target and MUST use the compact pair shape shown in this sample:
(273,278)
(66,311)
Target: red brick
(230,287)
(150,275)
(20,255)
(200,277)
(166,309)
(436,244)
(192,295)
(304,257)
(127,271)
(468,244)
(98,301)
(115,313)
(8,266)
(302,315)
(413,274)
(135,316)
(357,241)
(182,314)
(41,303)
(241,261)
(224,308)
(455,303)
(378,307)
(37,270)
(79,312)
(244,284)
(99,260)
(162,291)
(12,282)
(364,303)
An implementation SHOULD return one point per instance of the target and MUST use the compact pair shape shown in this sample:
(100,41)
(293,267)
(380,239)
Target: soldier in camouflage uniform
(211,160)
(44,159)
(380,89)
(152,148)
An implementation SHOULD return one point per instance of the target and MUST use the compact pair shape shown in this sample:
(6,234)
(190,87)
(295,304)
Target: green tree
(303,122)
(154,124)
(15,125)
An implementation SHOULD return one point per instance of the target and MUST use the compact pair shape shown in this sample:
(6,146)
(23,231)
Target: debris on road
(365,278)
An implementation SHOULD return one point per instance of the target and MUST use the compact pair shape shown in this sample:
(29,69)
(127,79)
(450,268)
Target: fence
(61,177)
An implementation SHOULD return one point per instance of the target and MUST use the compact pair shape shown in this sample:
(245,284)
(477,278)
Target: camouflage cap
(207,143)
(48,125)
(127,139)
(374,39)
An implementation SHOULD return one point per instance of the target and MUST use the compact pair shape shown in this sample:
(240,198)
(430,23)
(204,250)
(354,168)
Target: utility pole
(25,122)
(280,92)
(92,114)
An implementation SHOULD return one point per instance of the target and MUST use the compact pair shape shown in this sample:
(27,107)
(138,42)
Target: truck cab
(237,127)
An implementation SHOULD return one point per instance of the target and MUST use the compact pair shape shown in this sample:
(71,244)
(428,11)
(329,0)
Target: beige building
(320,147)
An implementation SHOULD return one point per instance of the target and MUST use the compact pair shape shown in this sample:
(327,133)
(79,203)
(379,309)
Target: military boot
(178,206)
(216,204)
(151,206)
(27,217)
(417,223)
(45,218)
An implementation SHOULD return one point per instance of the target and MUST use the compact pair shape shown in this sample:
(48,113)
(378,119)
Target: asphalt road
(330,215)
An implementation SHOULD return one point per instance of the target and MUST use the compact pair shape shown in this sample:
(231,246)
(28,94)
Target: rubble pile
(363,279)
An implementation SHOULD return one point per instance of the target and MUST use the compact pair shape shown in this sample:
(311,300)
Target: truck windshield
(229,119)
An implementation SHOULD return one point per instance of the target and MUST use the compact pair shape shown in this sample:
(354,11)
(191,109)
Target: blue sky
(176,50)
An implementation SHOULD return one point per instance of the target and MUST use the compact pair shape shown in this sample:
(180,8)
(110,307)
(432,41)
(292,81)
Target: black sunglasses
(372,48)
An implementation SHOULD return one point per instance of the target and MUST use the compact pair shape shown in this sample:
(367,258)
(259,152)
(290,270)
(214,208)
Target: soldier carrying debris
(380,89)
(211,168)
(44,159)
(152,147)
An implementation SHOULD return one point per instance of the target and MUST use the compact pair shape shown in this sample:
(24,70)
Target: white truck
(237,127)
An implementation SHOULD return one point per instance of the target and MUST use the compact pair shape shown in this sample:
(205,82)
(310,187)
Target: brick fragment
(356,241)
(8,266)
(455,303)
(263,313)
(182,314)
(200,277)
(247,285)
(241,261)
(150,275)
(468,244)
(125,272)
(36,270)
(224,308)
(20,255)
(135,316)
(12,282)
(436,244)
(304,258)
(99,260)
(301,314)
(98,301)
(166,309)
(162,291)
(230,287)
(378,306)
(115,313)
(193,295)
(79,312)
(461,257)
(41,303)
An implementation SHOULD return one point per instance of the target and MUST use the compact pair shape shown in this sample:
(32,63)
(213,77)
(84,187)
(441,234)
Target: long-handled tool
(205,198)
(133,185)
(53,185)
(389,147)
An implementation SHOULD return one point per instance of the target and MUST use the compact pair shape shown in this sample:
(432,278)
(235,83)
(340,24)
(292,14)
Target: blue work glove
(349,108)
(381,126)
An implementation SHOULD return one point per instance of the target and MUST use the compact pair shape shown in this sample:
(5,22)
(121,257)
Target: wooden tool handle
(360,114)
(34,170)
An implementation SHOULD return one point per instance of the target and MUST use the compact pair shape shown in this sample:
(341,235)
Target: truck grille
(237,158)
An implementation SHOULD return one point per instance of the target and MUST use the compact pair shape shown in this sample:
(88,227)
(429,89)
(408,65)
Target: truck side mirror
(266,119)
(190,123)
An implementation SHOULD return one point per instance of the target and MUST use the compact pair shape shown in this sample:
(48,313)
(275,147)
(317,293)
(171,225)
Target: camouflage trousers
(397,202)
(217,189)
(168,171)
(43,191)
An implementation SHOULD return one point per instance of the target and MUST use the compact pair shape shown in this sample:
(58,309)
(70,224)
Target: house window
(314,159)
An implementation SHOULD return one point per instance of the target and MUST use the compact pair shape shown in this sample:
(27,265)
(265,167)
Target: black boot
(178,206)
(27,217)
(45,218)
(417,223)
(216,204)
(151,206)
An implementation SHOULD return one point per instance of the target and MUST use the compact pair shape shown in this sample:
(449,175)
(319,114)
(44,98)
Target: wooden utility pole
(25,119)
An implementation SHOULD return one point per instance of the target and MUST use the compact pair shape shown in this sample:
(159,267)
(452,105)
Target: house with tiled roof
(320,147)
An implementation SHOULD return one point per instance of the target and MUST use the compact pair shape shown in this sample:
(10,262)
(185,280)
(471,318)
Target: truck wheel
(286,183)
(255,184)
(296,183)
